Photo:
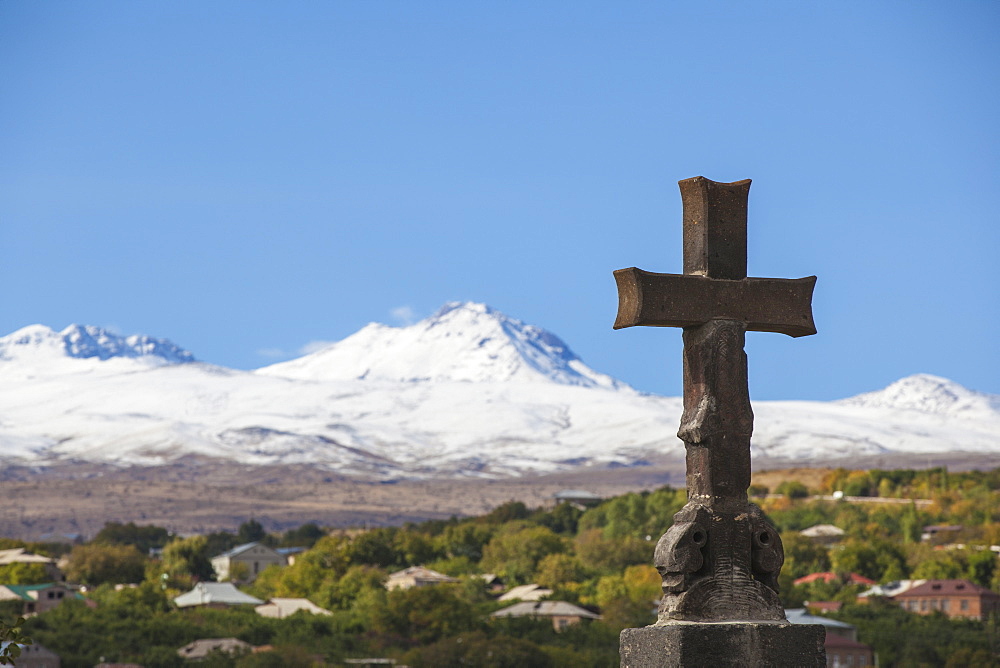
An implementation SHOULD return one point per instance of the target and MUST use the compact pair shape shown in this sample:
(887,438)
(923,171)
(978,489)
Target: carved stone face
(766,552)
(679,554)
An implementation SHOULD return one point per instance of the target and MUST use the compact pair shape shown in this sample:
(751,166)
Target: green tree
(629,599)
(340,593)
(281,656)
(11,639)
(507,512)
(515,552)
(24,574)
(859,483)
(96,564)
(465,540)
(477,650)
(636,515)
(942,565)
(218,542)
(413,548)
(877,559)
(803,555)
(563,519)
(602,554)
(142,537)
(251,531)
(303,536)
(376,547)
(982,567)
(793,489)
(186,558)
(312,572)
(423,614)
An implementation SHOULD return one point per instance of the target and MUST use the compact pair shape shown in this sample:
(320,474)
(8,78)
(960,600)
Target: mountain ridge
(460,342)
(86,342)
(466,392)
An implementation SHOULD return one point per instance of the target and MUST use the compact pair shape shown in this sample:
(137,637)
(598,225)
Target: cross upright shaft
(715,228)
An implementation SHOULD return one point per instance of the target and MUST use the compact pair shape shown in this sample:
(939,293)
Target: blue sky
(246,178)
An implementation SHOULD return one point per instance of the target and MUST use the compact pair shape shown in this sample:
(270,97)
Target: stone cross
(720,559)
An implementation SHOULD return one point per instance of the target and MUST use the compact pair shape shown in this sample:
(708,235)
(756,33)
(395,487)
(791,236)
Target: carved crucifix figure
(720,559)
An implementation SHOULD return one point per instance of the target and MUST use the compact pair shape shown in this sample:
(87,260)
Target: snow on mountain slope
(930,394)
(461,342)
(468,391)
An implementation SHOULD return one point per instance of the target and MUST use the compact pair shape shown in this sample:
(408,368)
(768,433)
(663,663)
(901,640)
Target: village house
(824,534)
(528,592)
(280,608)
(290,553)
(200,649)
(939,532)
(841,643)
(245,562)
(823,607)
(578,498)
(494,583)
(843,652)
(37,598)
(561,613)
(215,595)
(416,576)
(888,590)
(955,598)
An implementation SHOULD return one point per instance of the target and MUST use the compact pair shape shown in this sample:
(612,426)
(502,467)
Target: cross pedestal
(720,559)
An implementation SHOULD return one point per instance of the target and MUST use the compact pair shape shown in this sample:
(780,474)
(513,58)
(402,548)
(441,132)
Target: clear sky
(248,178)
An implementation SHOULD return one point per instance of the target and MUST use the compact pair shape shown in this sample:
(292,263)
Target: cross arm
(683,300)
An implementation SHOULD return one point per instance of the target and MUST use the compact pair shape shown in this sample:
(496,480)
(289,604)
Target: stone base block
(730,645)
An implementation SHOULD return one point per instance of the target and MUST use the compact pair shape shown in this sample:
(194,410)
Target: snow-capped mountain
(461,342)
(467,391)
(930,394)
(37,343)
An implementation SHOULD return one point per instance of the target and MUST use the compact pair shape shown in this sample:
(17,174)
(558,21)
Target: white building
(254,557)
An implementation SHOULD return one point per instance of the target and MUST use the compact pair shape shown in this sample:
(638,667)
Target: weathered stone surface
(778,305)
(725,645)
(719,561)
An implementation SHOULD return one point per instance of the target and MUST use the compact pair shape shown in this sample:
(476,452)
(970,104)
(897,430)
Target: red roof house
(955,598)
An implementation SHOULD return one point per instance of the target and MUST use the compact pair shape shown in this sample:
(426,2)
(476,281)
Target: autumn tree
(556,570)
